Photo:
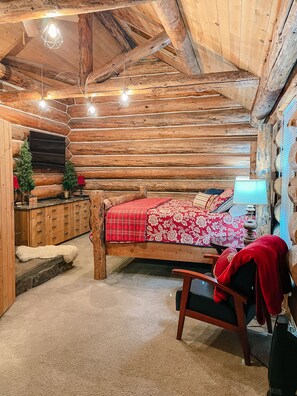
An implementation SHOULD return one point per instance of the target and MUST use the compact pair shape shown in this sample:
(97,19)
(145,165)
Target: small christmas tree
(69,178)
(24,170)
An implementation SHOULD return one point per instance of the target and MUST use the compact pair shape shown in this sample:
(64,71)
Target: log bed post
(99,250)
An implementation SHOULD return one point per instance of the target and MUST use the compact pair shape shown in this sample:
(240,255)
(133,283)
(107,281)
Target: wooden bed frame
(153,250)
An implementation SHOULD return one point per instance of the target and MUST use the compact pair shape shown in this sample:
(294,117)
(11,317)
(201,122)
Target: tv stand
(51,221)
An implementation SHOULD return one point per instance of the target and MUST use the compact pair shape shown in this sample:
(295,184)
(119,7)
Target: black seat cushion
(201,300)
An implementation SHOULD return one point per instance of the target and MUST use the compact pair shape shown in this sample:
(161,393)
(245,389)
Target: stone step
(35,272)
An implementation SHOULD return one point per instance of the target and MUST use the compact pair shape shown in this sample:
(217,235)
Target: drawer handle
(54,218)
(39,231)
(66,233)
(54,226)
(39,222)
(54,237)
(39,212)
(66,222)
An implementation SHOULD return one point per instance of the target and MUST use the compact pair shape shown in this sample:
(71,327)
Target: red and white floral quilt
(179,221)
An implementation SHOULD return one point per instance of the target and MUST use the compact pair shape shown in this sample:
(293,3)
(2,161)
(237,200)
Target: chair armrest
(197,275)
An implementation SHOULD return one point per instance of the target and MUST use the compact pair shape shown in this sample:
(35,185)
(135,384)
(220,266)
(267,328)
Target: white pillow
(237,210)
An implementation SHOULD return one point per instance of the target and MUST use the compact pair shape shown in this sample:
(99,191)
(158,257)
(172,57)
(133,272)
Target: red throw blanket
(127,222)
(272,275)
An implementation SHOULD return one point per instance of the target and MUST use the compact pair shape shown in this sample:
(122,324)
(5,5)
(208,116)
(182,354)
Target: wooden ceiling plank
(116,30)
(171,18)
(123,60)
(27,65)
(279,62)
(141,84)
(85,45)
(12,11)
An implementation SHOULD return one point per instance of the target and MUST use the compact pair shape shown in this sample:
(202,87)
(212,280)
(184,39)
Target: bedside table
(222,243)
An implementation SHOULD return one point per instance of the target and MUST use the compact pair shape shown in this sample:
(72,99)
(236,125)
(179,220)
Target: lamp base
(250,226)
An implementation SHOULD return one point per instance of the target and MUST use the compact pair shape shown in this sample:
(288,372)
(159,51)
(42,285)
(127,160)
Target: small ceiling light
(42,104)
(51,36)
(91,109)
(124,98)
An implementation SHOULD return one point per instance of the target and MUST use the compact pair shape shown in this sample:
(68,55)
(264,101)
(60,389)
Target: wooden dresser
(51,221)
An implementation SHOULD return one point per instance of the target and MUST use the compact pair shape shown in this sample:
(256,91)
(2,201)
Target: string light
(91,109)
(124,98)
(42,102)
(51,36)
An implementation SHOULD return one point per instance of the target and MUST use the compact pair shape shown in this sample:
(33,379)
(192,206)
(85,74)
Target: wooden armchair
(196,301)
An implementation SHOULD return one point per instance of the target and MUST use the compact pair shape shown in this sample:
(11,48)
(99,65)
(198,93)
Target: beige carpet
(80,337)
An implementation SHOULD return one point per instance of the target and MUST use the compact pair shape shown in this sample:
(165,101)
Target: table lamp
(250,192)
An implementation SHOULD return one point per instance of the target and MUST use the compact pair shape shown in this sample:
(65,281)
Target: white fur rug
(26,253)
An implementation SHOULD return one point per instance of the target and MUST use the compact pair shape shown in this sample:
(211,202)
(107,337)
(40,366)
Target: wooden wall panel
(175,146)
(7,254)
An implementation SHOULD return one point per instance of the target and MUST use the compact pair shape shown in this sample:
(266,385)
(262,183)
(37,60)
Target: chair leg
(268,320)
(180,327)
(183,305)
(242,331)
(245,346)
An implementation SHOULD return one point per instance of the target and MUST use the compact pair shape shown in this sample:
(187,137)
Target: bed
(172,230)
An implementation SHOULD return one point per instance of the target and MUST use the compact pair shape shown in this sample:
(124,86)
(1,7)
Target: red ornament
(16,185)
(81,181)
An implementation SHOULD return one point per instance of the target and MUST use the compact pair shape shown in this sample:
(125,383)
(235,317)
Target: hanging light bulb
(124,98)
(42,104)
(91,109)
(51,36)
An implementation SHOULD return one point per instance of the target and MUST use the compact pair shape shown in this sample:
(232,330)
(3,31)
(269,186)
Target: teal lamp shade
(250,192)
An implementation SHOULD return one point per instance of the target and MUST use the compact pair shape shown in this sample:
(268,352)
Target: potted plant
(69,179)
(24,171)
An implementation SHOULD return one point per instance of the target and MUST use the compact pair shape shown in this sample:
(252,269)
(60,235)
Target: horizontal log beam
(32,121)
(47,179)
(234,131)
(159,147)
(14,77)
(279,62)
(27,65)
(12,11)
(162,161)
(162,173)
(157,185)
(49,113)
(203,118)
(155,107)
(140,84)
(153,94)
(51,191)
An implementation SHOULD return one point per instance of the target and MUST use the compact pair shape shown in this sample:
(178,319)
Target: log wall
(190,140)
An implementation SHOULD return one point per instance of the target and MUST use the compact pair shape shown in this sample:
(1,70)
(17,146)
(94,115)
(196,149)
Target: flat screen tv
(48,150)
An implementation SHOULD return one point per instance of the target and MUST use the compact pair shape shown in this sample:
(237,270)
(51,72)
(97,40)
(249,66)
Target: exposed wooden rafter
(85,45)
(15,78)
(171,18)
(26,65)
(116,30)
(279,63)
(143,84)
(20,10)
(122,61)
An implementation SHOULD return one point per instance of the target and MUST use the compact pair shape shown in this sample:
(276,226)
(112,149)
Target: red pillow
(223,261)
(227,194)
